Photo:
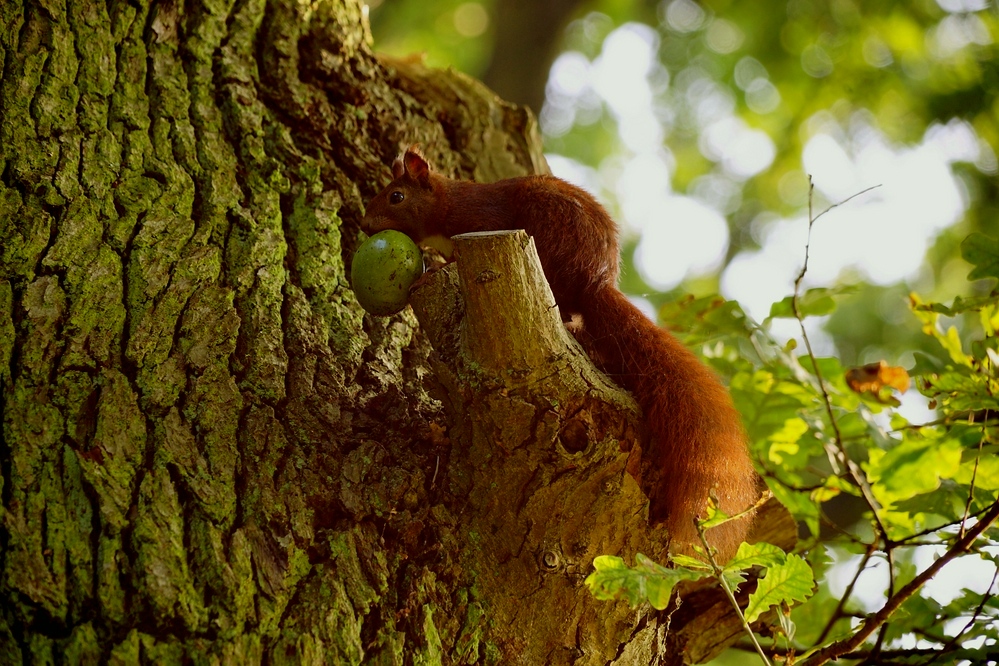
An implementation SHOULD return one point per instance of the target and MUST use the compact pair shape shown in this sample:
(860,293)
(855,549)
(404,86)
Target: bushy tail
(696,439)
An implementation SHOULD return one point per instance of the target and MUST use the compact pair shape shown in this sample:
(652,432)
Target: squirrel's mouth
(372,225)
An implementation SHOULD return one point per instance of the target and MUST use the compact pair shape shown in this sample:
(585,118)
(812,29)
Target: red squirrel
(697,442)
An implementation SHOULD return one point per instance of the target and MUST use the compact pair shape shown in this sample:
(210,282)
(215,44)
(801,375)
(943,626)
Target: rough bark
(540,439)
(210,454)
(547,453)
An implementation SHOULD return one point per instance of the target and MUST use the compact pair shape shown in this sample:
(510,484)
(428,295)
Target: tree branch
(839,453)
(872,623)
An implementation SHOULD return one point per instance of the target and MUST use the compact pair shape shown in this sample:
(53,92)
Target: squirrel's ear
(399,163)
(398,167)
(415,165)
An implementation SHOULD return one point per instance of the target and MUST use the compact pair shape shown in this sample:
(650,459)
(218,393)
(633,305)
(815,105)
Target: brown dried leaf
(878,379)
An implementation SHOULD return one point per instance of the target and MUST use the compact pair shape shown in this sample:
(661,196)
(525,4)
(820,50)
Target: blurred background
(699,125)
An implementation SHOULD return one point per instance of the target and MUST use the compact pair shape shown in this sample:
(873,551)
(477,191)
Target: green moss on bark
(7,337)
(211,455)
(163,571)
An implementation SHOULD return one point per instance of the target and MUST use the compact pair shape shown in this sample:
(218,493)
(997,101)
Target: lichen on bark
(210,454)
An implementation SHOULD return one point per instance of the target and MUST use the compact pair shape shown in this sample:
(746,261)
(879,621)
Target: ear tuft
(415,165)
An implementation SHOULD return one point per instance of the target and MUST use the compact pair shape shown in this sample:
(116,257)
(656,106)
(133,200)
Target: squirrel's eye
(396,197)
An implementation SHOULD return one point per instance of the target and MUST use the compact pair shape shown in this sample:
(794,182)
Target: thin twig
(981,442)
(873,622)
(840,452)
(908,541)
(933,654)
(837,613)
(811,187)
(974,475)
(879,643)
(971,489)
(974,618)
(949,419)
(720,576)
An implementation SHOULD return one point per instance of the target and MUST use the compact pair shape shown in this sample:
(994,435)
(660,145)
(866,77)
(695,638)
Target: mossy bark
(210,454)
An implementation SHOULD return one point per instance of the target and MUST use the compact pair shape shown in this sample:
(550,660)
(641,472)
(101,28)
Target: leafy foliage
(787,578)
(983,252)
(918,490)
(789,581)
(646,581)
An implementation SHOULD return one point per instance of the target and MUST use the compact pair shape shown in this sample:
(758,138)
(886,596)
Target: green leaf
(813,303)
(611,584)
(760,554)
(722,317)
(960,305)
(608,563)
(646,581)
(984,470)
(983,252)
(904,513)
(961,390)
(784,443)
(913,467)
(784,583)
(610,579)
(688,562)
(734,578)
(715,516)
(917,612)
(801,506)
(951,341)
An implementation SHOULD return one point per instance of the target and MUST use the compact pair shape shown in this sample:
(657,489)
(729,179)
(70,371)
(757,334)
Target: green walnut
(384,268)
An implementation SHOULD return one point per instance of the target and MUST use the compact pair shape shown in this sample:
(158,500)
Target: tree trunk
(527,36)
(210,454)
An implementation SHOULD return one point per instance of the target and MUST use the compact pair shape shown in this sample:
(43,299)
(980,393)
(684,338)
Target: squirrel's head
(409,203)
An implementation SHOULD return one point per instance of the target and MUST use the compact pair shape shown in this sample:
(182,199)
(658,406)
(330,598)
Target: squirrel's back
(697,446)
